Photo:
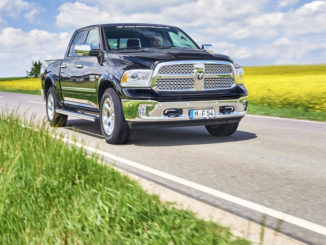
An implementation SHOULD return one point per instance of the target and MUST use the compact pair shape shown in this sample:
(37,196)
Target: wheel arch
(107,81)
(48,82)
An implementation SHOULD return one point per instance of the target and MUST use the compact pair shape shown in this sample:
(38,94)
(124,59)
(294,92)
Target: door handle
(63,66)
(79,66)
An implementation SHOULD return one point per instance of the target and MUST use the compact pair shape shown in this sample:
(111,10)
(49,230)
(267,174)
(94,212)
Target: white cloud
(16,8)
(13,8)
(286,3)
(152,6)
(80,14)
(31,15)
(252,32)
(198,13)
(18,49)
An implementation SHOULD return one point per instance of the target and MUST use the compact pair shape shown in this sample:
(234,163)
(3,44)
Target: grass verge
(286,112)
(54,193)
(12,78)
(36,92)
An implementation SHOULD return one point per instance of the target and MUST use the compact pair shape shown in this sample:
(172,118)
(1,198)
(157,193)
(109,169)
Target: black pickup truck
(129,75)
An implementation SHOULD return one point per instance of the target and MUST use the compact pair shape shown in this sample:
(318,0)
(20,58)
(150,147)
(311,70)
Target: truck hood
(149,57)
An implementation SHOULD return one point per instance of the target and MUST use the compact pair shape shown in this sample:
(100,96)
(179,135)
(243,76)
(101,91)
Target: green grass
(51,193)
(12,78)
(35,92)
(286,112)
(285,69)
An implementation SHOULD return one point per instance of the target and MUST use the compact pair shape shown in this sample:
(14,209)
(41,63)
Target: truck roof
(124,24)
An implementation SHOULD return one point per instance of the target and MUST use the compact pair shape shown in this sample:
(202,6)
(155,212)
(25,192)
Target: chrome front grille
(217,82)
(177,69)
(175,83)
(193,75)
(217,68)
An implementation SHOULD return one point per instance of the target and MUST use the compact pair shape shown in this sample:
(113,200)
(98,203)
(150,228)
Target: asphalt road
(278,163)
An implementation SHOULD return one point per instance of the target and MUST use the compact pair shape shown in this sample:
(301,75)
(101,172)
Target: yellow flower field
(301,87)
(28,85)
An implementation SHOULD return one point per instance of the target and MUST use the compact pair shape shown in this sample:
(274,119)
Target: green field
(285,91)
(51,193)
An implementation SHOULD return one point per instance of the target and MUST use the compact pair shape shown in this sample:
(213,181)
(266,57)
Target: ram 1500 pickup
(129,75)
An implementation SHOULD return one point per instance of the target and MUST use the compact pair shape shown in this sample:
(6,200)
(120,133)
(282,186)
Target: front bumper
(154,111)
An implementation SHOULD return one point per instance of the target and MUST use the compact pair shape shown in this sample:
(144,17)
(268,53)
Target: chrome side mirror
(85,49)
(208,48)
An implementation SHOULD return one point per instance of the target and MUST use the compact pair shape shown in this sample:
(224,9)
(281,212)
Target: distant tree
(35,69)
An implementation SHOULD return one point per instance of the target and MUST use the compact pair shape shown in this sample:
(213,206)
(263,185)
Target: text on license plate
(202,114)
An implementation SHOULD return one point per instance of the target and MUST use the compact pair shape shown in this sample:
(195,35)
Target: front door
(80,74)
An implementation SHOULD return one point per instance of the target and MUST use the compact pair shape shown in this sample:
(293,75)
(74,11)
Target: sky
(252,32)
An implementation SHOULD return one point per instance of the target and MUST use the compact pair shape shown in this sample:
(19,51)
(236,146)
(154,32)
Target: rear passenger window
(78,39)
(121,43)
(113,43)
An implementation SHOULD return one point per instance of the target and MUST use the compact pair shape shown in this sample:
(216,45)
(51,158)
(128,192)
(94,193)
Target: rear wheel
(55,119)
(113,125)
(222,129)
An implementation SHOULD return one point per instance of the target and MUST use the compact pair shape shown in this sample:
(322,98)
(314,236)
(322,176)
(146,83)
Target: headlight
(136,78)
(239,75)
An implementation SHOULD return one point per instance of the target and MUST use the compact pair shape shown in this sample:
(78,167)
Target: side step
(77,114)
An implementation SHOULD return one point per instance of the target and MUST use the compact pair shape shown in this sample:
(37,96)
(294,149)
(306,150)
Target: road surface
(277,163)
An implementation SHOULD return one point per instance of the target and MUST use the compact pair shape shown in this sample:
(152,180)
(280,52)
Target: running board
(77,114)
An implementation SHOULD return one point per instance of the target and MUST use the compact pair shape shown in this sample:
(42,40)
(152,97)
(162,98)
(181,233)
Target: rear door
(68,69)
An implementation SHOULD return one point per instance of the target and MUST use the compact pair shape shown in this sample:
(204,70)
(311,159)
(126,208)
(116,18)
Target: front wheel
(219,130)
(113,125)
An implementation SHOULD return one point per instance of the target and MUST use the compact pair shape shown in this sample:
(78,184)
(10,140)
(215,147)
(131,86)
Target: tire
(220,130)
(113,125)
(55,119)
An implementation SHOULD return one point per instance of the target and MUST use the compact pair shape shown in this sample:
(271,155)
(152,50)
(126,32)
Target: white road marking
(284,119)
(37,102)
(236,200)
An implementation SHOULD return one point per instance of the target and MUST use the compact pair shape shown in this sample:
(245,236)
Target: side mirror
(85,50)
(208,48)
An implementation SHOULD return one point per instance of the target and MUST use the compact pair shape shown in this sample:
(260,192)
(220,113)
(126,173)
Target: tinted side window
(120,43)
(93,38)
(78,39)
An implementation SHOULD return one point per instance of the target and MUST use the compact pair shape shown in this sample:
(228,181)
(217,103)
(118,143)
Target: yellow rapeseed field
(301,87)
(28,85)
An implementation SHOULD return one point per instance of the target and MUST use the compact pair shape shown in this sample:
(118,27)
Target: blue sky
(252,32)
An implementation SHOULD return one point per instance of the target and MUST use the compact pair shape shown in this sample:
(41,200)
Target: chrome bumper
(153,111)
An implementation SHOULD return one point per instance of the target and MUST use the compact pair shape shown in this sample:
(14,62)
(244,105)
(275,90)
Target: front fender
(112,80)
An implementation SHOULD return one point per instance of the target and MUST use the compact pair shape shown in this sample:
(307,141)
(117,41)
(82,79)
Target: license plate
(202,114)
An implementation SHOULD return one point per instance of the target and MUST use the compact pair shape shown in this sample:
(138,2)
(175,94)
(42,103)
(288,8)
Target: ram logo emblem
(200,75)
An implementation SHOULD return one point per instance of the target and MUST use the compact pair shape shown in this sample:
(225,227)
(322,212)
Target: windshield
(135,37)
